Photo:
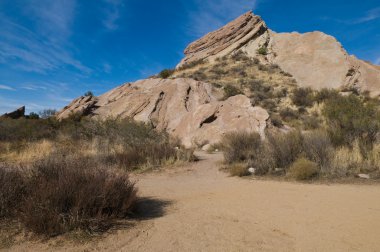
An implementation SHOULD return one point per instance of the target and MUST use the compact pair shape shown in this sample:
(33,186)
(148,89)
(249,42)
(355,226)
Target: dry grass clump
(303,169)
(238,170)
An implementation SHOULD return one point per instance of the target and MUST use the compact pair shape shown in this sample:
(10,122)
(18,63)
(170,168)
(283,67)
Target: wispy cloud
(212,14)
(44,48)
(369,16)
(54,18)
(5,87)
(112,14)
(377,62)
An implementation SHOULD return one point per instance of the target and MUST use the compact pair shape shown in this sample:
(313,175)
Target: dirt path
(199,208)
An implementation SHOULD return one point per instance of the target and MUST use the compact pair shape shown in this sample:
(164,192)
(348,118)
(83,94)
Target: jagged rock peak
(17,114)
(226,39)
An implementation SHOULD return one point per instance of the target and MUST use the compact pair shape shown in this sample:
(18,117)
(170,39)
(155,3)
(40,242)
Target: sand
(199,208)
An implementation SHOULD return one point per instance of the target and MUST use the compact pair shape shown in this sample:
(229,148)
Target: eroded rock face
(314,59)
(185,108)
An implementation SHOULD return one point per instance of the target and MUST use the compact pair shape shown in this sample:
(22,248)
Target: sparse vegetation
(230,90)
(88,93)
(263,50)
(166,73)
(59,176)
(302,97)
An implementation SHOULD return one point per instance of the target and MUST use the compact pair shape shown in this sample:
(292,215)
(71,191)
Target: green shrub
(302,97)
(349,118)
(263,50)
(325,94)
(288,114)
(230,91)
(166,73)
(303,169)
(276,121)
(33,116)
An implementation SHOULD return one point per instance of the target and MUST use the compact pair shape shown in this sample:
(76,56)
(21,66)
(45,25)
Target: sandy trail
(205,210)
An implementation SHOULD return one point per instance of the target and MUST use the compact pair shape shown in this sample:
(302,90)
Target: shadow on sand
(149,208)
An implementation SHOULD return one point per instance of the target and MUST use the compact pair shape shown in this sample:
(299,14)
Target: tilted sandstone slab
(315,59)
(185,108)
(225,40)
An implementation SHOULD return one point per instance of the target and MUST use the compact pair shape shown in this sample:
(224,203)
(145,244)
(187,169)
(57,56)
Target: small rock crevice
(154,116)
(187,98)
(209,120)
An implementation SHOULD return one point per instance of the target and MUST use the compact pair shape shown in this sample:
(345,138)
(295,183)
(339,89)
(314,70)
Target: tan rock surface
(184,108)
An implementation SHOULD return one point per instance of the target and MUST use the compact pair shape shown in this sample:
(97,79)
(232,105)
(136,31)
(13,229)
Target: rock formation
(185,108)
(190,109)
(315,59)
(17,114)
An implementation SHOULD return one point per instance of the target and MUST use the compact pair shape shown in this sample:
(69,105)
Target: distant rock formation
(17,114)
(314,59)
(185,108)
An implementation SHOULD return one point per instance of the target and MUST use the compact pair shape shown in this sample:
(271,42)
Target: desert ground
(197,207)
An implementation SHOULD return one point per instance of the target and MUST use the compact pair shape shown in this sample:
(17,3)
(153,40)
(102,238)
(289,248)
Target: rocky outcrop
(314,59)
(225,40)
(83,105)
(185,108)
(17,114)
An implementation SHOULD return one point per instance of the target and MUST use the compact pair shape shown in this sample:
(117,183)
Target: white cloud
(112,14)
(213,14)
(4,87)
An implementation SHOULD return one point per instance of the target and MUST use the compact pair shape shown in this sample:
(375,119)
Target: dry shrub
(303,97)
(12,190)
(240,146)
(303,169)
(317,147)
(239,170)
(66,194)
(285,148)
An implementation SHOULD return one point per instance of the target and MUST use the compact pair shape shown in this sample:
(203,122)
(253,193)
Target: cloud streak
(44,48)
(212,14)
(370,16)
(5,87)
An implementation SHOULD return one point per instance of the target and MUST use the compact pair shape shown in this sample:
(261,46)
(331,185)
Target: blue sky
(52,51)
